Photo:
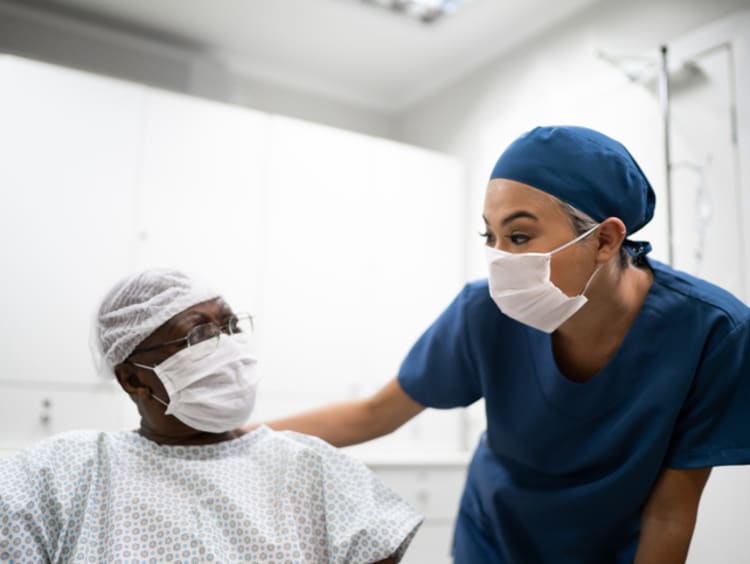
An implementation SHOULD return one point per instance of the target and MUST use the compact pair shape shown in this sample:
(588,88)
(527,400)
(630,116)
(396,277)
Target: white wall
(558,78)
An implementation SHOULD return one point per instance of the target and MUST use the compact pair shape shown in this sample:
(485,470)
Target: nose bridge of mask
(518,270)
(194,363)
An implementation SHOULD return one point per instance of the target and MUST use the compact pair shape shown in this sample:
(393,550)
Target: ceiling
(346,50)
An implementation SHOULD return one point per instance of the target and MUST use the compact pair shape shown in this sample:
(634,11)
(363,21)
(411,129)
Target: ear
(610,235)
(130,381)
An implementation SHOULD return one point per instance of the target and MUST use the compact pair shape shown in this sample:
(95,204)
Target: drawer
(434,491)
(431,544)
(29,414)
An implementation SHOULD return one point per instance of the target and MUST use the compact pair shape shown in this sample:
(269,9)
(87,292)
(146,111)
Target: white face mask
(521,287)
(210,392)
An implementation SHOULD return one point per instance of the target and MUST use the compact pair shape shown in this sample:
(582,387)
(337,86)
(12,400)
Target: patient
(188,485)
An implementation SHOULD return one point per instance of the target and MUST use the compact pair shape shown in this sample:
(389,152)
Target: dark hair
(582,222)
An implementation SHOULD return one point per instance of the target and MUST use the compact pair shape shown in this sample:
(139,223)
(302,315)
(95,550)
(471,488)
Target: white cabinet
(343,246)
(434,489)
(69,146)
(202,174)
(363,252)
(35,411)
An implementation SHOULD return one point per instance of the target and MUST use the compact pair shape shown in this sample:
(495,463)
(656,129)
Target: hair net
(135,307)
(585,169)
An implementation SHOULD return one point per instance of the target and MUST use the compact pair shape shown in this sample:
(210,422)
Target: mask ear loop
(139,365)
(596,270)
(591,278)
(161,401)
(574,241)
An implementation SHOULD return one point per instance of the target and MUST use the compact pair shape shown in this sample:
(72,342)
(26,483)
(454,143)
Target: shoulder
(303,449)
(58,449)
(62,459)
(476,294)
(305,454)
(705,304)
(474,304)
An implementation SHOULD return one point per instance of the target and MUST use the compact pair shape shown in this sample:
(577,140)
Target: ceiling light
(427,11)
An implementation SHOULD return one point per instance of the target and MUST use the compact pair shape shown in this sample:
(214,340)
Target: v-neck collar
(597,395)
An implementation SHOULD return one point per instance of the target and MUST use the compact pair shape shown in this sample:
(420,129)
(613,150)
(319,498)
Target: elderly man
(189,485)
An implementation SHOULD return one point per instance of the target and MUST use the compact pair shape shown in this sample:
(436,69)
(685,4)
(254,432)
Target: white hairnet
(135,307)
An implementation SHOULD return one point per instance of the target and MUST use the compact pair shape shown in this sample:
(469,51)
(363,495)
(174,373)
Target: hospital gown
(277,497)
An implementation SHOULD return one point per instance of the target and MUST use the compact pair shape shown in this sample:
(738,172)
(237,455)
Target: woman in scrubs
(612,382)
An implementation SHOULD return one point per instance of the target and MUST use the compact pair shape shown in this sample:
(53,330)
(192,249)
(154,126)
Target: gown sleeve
(365,521)
(713,428)
(439,370)
(27,522)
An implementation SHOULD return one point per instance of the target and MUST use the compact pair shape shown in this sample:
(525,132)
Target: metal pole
(664,95)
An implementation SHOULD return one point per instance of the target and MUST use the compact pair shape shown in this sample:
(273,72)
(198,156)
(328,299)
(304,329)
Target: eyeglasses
(240,324)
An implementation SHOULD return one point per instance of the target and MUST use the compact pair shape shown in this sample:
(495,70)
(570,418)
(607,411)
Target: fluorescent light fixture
(426,11)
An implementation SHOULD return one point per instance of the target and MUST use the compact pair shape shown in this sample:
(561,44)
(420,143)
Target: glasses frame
(186,338)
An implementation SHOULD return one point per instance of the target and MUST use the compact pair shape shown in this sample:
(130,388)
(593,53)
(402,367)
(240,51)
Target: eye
(200,333)
(489,238)
(518,238)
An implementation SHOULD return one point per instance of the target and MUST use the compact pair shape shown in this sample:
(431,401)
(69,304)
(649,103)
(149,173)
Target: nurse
(612,383)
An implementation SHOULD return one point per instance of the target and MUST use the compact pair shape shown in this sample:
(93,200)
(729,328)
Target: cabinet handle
(45,418)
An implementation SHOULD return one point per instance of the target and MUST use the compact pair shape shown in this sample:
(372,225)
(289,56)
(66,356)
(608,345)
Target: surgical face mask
(210,390)
(520,285)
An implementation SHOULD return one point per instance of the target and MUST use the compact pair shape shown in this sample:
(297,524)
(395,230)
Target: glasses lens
(241,323)
(207,334)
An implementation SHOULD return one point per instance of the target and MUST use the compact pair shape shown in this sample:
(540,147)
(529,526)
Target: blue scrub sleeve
(439,370)
(713,428)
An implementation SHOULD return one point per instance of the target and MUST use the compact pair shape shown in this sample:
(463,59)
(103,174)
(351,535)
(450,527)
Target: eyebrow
(513,217)
(224,312)
(517,215)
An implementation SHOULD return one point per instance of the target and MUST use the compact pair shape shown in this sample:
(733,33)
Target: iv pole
(664,95)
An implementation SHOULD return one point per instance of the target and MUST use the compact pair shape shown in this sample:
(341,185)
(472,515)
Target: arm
(356,421)
(668,518)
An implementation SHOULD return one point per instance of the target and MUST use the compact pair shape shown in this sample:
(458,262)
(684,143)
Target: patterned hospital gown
(275,497)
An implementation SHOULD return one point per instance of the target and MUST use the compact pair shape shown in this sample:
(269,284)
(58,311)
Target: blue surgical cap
(586,169)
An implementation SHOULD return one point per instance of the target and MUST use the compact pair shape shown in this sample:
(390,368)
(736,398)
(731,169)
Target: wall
(558,78)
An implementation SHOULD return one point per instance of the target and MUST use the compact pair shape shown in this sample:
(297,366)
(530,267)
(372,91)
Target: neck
(614,299)
(188,437)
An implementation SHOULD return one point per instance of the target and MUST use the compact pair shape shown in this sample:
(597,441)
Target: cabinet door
(39,411)
(363,252)
(200,192)
(69,143)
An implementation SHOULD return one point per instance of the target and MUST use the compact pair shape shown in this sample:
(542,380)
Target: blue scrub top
(564,468)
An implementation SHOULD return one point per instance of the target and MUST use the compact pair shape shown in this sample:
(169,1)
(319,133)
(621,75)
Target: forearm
(669,515)
(341,424)
(356,421)
(664,540)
